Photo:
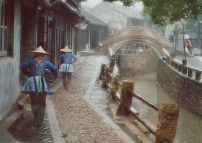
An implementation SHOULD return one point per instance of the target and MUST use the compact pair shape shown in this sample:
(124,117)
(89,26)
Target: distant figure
(100,44)
(189,45)
(36,84)
(66,67)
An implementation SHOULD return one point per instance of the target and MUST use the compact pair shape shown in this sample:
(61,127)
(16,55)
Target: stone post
(126,100)
(105,70)
(102,71)
(184,70)
(167,125)
(112,63)
(113,86)
(106,77)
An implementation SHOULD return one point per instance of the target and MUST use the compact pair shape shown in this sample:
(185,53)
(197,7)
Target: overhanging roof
(68,10)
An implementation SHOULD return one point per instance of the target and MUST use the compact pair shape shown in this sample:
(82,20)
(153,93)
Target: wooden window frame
(4,27)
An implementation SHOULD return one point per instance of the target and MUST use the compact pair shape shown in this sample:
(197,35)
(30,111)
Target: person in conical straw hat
(41,51)
(36,85)
(66,68)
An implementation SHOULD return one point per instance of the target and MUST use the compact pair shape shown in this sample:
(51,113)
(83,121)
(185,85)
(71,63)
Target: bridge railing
(168,113)
(137,31)
(186,70)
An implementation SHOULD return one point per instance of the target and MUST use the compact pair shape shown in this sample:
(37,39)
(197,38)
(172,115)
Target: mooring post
(113,86)
(167,125)
(102,71)
(112,63)
(107,69)
(126,100)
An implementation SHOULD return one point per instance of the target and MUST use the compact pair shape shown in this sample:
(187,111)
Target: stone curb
(53,122)
(104,117)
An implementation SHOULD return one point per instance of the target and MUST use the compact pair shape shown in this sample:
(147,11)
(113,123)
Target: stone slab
(10,122)
(5,137)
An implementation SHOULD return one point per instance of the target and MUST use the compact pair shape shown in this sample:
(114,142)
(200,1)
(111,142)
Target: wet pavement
(193,61)
(25,132)
(80,120)
(86,114)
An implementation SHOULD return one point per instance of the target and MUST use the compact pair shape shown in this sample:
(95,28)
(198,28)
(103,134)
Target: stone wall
(9,67)
(133,64)
(186,91)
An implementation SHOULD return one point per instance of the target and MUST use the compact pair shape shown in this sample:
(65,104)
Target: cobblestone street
(79,119)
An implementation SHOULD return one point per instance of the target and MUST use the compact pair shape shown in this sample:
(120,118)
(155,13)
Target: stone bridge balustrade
(182,82)
(186,70)
(137,33)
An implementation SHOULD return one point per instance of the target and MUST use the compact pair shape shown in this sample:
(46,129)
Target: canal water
(189,126)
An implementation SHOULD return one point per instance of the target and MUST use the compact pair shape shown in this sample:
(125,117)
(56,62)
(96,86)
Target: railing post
(126,100)
(184,70)
(106,78)
(112,63)
(113,86)
(198,76)
(167,125)
(190,73)
(102,71)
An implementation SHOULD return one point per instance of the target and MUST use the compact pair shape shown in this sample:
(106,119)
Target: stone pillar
(113,86)
(126,100)
(112,63)
(106,78)
(167,125)
(102,71)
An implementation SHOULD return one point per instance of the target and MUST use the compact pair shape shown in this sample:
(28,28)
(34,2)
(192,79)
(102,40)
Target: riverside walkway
(71,116)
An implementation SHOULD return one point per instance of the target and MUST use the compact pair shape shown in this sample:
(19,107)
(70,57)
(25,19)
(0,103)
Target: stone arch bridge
(142,34)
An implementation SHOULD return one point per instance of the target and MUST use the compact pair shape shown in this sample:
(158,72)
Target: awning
(72,13)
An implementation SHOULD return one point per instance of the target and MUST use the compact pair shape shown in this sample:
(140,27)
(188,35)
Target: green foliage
(163,12)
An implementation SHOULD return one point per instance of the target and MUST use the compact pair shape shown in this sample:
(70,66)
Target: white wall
(9,70)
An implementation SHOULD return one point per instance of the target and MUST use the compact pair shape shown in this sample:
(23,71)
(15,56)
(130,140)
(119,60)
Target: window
(3,28)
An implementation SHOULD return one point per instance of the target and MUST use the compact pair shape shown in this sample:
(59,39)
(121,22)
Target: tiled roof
(92,18)
(129,12)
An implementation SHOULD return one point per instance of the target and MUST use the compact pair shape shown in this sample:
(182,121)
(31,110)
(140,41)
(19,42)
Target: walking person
(189,45)
(66,67)
(36,85)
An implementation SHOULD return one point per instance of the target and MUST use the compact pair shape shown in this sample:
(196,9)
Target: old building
(114,15)
(91,35)
(26,24)
(9,55)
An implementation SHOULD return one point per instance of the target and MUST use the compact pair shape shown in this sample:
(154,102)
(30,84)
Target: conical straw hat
(66,49)
(40,50)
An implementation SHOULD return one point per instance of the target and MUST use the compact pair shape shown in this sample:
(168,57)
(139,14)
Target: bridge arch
(134,41)
(137,33)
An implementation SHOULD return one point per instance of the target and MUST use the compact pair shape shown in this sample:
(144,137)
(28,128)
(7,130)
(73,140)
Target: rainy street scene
(100,71)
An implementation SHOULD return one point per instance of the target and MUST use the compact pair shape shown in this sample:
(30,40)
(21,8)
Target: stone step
(5,137)
(8,124)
